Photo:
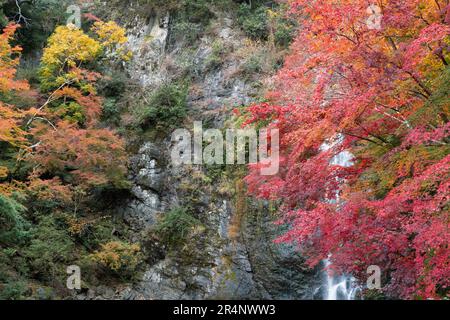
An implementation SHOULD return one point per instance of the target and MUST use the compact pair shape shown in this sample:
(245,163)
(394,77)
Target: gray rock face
(141,212)
(148,177)
(147,40)
(279,268)
(146,168)
(211,264)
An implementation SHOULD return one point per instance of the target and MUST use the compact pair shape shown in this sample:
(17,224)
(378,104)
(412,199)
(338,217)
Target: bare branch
(19,17)
(49,100)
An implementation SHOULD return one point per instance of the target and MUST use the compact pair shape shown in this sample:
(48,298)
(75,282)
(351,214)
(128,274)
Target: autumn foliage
(57,158)
(56,148)
(382,94)
(10,130)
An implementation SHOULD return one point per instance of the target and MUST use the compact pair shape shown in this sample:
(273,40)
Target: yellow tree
(64,76)
(72,147)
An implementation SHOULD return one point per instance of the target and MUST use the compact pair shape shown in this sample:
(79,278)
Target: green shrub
(190,19)
(111,112)
(284,33)
(13,227)
(166,107)
(99,231)
(188,31)
(3,17)
(118,257)
(50,251)
(12,264)
(254,22)
(253,65)
(215,59)
(261,61)
(28,71)
(113,85)
(13,290)
(196,11)
(72,112)
(174,226)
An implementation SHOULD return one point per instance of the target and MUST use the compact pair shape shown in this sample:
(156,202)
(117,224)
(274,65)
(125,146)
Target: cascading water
(343,287)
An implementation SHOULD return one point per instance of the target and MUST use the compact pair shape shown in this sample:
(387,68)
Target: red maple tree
(380,93)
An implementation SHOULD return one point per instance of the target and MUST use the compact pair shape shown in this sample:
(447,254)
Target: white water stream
(343,287)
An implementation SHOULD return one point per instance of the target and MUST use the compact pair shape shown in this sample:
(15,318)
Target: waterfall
(343,287)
